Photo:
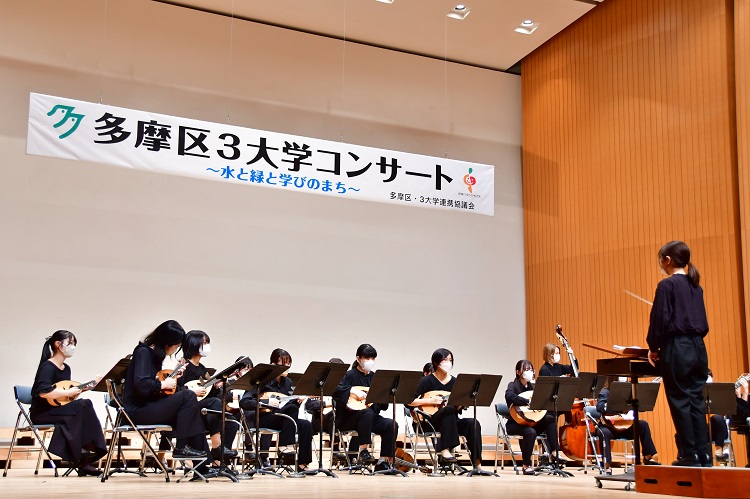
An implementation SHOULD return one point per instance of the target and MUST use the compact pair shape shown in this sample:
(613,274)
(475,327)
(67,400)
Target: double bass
(573,435)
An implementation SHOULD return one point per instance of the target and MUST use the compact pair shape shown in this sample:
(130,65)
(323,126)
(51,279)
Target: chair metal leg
(12,444)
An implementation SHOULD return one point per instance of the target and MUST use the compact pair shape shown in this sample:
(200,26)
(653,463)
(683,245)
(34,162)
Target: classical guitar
(165,374)
(67,384)
(743,377)
(358,405)
(523,415)
(617,422)
(433,408)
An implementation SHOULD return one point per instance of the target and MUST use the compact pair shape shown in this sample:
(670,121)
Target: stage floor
(23,483)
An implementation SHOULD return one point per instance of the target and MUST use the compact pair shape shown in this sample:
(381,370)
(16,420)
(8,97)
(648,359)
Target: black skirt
(76,427)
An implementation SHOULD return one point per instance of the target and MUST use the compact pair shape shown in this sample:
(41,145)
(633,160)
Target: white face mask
(709,379)
(528,375)
(205,350)
(68,350)
(368,365)
(446,366)
(556,358)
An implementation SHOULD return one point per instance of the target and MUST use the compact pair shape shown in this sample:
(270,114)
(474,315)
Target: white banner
(85,131)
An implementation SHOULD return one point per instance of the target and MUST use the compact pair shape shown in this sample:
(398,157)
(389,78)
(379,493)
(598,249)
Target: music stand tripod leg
(475,471)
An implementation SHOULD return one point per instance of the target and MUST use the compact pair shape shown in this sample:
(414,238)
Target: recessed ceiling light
(459,12)
(385,1)
(527,27)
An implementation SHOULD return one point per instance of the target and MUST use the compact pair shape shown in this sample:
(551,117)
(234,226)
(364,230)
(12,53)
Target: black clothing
(270,420)
(212,401)
(556,370)
(76,424)
(447,422)
(677,327)
(647,441)
(529,433)
(146,404)
(365,421)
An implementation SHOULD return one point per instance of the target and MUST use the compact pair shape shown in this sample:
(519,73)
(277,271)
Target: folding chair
(502,413)
(22,395)
(122,424)
(430,436)
(278,466)
(592,416)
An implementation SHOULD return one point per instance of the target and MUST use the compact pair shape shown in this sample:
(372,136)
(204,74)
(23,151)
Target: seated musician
(552,366)
(195,346)
(145,398)
(607,431)
(368,420)
(281,385)
(445,420)
(528,431)
(78,436)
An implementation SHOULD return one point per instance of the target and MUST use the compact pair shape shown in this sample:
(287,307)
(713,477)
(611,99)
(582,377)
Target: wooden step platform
(693,482)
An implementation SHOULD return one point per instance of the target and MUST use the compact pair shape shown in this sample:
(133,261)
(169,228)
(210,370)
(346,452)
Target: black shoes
(187,452)
(651,462)
(447,459)
(706,460)
(382,466)
(529,471)
(365,457)
(691,460)
(228,453)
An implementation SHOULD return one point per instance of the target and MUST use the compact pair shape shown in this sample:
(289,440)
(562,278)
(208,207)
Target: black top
(353,377)
(678,310)
(46,375)
(431,383)
(511,394)
(193,372)
(556,369)
(141,385)
(601,402)
(249,400)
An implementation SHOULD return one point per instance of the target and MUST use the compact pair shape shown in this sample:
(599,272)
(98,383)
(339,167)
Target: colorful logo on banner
(86,131)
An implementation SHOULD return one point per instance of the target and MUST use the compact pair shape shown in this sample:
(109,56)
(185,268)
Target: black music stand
(553,393)
(475,390)
(590,385)
(224,376)
(720,399)
(320,379)
(393,387)
(256,378)
(117,376)
(621,396)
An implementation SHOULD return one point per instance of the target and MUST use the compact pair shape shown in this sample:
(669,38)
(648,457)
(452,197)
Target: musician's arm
(249,400)
(601,402)
(45,381)
(511,396)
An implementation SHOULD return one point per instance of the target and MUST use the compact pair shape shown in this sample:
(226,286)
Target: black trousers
(644,430)
(367,422)
(684,365)
(285,426)
(529,433)
(212,421)
(76,428)
(450,426)
(180,411)
(719,433)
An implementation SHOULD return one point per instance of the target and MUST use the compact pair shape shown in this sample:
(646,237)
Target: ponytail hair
(679,252)
(49,344)
(365,351)
(166,334)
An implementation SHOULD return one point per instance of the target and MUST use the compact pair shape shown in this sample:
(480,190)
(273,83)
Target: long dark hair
(49,348)
(440,355)
(366,351)
(193,342)
(280,356)
(679,252)
(165,335)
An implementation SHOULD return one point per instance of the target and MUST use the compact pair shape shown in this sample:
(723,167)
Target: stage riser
(693,482)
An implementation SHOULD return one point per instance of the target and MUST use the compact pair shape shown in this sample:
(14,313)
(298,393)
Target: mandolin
(405,462)
(266,397)
(743,377)
(357,405)
(523,415)
(431,408)
(167,374)
(204,383)
(617,422)
(67,384)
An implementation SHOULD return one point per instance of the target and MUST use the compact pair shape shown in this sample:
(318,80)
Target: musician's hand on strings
(433,401)
(218,385)
(199,390)
(273,402)
(653,357)
(169,384)
(358,394)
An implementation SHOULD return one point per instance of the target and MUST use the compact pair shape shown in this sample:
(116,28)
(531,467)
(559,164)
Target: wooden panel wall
(630,141)
(742,92)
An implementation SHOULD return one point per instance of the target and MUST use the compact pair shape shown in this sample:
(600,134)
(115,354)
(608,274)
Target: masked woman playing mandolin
(146,400)
(281,386)
(608,431)
(352,391)
(195,346)
(78,436)
(528,430)
(430,396)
